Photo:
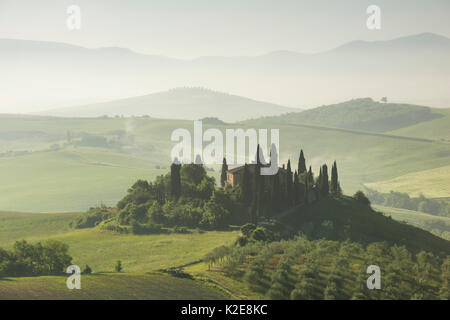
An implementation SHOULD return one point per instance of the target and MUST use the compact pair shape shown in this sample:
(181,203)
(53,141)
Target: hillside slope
(362,114)
(348,219)
(180,103)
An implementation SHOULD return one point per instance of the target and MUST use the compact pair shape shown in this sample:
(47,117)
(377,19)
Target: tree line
(27,259)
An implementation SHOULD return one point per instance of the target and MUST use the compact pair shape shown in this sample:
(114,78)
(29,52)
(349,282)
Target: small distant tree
(289,185)
(334,183)
(361,198)
(384,99)
(301,163)
(175,180)
(323,181)
(223,175)
(118,266)
(87,270)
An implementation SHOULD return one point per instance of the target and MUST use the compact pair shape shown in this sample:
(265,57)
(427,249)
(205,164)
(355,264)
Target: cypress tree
(275,195)
(289,185)
(246,188)
(175,180)
(324,185)
(334,180)
(306,194)
(223,175)
(310,177)
(301,163)
(296,189)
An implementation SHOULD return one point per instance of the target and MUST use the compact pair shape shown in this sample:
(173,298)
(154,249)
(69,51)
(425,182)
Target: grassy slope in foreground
(433,183)
(101,250)
(107,286)
(360,223)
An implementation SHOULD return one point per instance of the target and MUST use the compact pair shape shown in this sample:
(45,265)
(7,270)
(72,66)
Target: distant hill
(40,75)
(362,114)
(180,103)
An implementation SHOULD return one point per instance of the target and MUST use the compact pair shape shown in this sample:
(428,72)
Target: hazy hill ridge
(408,69)
(179,103)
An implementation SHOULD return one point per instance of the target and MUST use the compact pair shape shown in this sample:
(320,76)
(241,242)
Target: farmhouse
(235,175)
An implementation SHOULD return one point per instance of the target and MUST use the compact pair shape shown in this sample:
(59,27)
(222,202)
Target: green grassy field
(107,286)
(100,249)
(437,129)
(141,257)
(433,183)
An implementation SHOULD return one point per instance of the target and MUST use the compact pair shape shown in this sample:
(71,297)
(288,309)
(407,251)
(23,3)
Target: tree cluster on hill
(188,197)
(266,196)
(299,269)
(26,259)
(437,207)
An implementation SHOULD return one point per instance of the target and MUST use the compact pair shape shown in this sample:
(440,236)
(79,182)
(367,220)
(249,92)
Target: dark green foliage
(223,174)
(440,207)
(261,234)
(324,186)
(361,198)
(289,185)
(92,217)
(87,270)
(324,269)
(175,180)
(301,163)
(335,188)
(247,229)
(118,266)
(25,259)
(145,228)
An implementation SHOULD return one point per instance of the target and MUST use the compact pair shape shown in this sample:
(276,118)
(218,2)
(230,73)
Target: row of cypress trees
(269,195)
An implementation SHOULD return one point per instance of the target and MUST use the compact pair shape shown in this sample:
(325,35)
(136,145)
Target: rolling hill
(359,223)
(180,103)
(362,114)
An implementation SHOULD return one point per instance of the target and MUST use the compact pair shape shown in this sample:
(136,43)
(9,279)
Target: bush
(113,226)
(147,228)
(91,218)
(361,198)
(87,270)
(247,229)
(118,267)
(25,259)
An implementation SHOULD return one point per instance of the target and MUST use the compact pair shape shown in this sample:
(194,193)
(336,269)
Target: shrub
(91,218)
(361,198)
(118,267)
(87,270)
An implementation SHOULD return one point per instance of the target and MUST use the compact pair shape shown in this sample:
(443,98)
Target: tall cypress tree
(275,194)
(334,185)
(324,185)
(175,180)
(301,163)
(296,191)
(289,185)
(306,194)
(223,175)
(246,188)
(310,177)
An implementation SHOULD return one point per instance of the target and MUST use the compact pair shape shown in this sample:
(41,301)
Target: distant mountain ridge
(43,75)
(179,103)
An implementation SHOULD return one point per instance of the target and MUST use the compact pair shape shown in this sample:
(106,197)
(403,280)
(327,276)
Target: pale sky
(190,28)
